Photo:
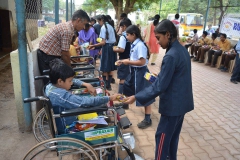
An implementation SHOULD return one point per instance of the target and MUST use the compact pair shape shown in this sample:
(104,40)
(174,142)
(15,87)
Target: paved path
(211,131)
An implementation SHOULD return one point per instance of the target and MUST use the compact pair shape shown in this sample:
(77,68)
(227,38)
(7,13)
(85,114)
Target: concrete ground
(210,132)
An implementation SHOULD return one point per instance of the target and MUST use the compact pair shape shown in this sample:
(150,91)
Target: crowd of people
(214,47)
(125,49)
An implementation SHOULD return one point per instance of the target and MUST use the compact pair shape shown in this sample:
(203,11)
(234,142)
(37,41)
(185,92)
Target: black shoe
(195,59)
(191,56)
(144,124)
(224,70)
(233,81)
(152,64)
(109,88)
(113,81)
(200,61)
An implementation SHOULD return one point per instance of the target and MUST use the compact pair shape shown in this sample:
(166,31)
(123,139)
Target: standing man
(174,87)
(56,43)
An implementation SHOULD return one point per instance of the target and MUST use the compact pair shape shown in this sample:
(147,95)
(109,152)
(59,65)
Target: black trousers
(236,70)
(43,63)
(215,57)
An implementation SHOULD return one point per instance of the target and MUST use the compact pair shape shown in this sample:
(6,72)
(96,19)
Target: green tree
(48,5)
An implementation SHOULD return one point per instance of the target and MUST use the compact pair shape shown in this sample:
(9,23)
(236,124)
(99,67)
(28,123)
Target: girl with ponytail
(135,81)
(108,57)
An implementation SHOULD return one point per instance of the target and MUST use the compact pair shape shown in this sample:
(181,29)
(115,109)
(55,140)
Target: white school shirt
(111,33)
(138,50)
(122,41)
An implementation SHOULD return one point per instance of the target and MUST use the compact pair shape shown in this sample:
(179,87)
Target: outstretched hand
(130,100)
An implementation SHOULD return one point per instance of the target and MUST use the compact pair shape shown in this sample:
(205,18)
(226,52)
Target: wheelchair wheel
(41,130)
(62,149)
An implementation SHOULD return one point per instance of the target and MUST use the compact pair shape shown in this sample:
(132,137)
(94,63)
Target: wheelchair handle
(41,77)
(81,56)
(79,63)
(88,67)
(33,99)
(46,71)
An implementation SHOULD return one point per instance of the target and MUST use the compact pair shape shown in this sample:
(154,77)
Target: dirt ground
(13,143)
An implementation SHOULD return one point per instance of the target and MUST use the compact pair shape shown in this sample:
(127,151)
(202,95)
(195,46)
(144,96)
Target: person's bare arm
(118,49)
(66,57)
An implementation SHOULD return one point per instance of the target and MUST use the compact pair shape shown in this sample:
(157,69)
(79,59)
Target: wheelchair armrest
(33,99)
(89,80)
(83,110)
(41,77)
(79,63)
(81,56)
(88,67)
(46,71)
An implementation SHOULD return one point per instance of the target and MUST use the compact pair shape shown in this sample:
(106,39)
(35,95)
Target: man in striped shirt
(56,43)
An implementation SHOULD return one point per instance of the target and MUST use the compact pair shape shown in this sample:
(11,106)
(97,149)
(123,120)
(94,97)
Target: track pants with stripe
(167,137)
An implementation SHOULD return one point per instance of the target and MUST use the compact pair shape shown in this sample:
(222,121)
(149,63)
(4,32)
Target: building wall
(10,23)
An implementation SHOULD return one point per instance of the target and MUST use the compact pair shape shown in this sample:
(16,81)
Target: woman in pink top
(151,40)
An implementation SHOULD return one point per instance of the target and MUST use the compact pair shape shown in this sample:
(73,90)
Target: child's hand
(90,89)
(130,100)
(114,97)
(125,61)
(118,63)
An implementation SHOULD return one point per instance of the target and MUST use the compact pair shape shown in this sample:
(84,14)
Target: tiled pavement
(210,131)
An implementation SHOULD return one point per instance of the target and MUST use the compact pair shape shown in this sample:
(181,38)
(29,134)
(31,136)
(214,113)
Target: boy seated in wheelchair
(61,78)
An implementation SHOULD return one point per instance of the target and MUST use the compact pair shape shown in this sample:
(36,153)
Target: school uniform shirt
(215,42)
(111,33)
(205,41)
(195,38)
(57,39)
(123,44)
(224,46)
(173,84)
(138,50)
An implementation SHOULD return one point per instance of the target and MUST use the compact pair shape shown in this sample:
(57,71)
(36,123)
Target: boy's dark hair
(214,35)
(80,14)
(195,31)
(125,22)
(224,35)
(133,29)
(205,33)
(93,20)
(59,70)
(177,16)
(123,15)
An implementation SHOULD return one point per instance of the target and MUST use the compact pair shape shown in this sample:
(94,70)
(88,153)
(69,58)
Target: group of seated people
(215,48)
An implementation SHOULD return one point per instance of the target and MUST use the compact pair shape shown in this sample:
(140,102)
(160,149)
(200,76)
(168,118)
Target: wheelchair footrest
(125,123)
(120,111)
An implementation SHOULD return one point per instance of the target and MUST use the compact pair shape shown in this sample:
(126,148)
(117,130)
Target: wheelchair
(95,144)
